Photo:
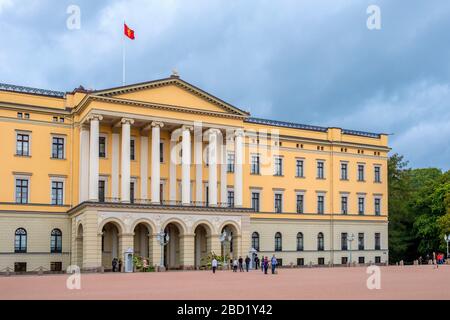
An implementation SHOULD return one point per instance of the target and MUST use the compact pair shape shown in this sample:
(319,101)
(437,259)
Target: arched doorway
(110,245)
(202,244)
(230,246)
(172,251)
(79,247)
(142,236)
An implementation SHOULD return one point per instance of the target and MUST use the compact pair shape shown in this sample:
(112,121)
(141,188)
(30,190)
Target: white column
(93,157)
(186,166)
(223,170)
(239,159)
(125,170)
(198,155)
(115,166)
(84,164)
(212,182)
(144,167)
(156,162)
(173,172)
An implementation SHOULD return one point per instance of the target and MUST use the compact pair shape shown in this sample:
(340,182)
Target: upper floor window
(344,171)
(102,147)
(278,242)
(360,172)
(278,202)
(132,191)
(320,204)
(320,242)
(161,152)
(255,165)
(300,198)
(101,190)
(300,241)
(230,201)
(20,241)
(361,241)
(255,241)
(377,241)
(344,204)
(320,170)
(230,162)
(22,192)
(299,169)
(278,166)
(361,202)
(255,201)
(377,174)
(23,145)
(132,149)
(56,241)
(344,241)
(377,206)
(57,148)
(57,193)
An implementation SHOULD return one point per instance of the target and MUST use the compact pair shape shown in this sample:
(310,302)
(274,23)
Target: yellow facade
(95,232)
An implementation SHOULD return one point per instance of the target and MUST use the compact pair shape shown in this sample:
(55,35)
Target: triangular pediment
(173,92)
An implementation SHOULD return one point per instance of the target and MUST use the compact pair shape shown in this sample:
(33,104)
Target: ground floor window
(377,259)
(279,262)
(321,261)
(300,261)
(344,260)
(56,266)
(361,260)
(20,267)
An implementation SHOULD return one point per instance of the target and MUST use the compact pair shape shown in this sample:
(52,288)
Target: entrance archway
(142,236)
(110,245)
(202,244)
(79,247)
(172,251)
(230,248)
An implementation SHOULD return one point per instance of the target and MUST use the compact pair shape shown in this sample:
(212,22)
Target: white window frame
(364,171)
(60,136)
(317,170)
(104,135)
(324,195)
(280,192)
(22,177)
(58,179)
(377,197)
(133,138)
(252,191)
(24,132)
(275,165)
(105,179)
(374,177)
(303,173)
(361,195)
(300,193)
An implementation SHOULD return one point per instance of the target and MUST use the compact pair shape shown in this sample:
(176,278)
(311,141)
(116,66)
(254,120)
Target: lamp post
(223,238)
(350,239)
(447,239)
(163,239)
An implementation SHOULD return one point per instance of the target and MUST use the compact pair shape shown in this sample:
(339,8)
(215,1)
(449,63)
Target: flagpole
(123,56)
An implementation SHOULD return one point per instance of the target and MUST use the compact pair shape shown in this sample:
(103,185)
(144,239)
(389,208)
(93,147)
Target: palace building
(89,176)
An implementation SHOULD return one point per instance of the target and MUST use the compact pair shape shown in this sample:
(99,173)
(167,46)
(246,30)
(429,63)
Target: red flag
(128,32)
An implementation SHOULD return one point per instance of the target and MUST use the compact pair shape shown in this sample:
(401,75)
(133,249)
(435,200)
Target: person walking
(114,265)
(214,264)
(256,262)
(235,265)
(247,263)
(274,263)
(266,264)
(262,263)
(241,264)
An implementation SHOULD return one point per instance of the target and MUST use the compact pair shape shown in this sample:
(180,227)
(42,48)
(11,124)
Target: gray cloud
(305,61)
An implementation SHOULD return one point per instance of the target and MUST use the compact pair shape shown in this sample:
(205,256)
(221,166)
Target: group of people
(116,265)
(236,264)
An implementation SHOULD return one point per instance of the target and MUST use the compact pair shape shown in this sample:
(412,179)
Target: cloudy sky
(312,62)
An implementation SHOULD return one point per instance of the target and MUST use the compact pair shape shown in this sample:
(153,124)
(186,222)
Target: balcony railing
(169,203)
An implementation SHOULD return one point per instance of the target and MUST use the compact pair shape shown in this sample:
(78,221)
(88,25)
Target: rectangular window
(278,202)
(22,191)
(230,199)
(101,190)
(207,195)
(57,148)
(102,147)
(377,174)
(161,152)
(344,205)
(300,262)
(320,170)
(255,201)
(20,267)
(161,192)
(132,185)
(57,193)
(360,172)
(344,171)
(361,241)
(344,241)
(299,170)
(132,149)
(377,241)
(377,206)
(23,145)
(56,266)
(361,206)
(321,261)
(230,163)
(344,260)
(361,260)
(255,165)
(300,198)
(278,166)
(320,204)
(378,260)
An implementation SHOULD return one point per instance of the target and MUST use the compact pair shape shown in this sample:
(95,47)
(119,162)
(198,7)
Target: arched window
(56,241)
(278,242)
(20,242)
(255,241)
(320,242)
(299,241)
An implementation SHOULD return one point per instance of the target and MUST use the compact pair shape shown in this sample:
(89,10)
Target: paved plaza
(408,282)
